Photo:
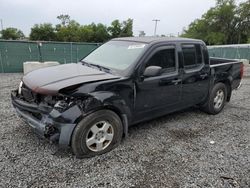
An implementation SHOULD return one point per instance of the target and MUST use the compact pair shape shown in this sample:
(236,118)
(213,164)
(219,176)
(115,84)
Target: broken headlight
(64,104)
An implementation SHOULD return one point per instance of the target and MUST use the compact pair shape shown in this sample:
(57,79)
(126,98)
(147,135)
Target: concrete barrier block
(33,65)
(246,67)
(245,61)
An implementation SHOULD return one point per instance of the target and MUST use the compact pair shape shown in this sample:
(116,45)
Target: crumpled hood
(50,80)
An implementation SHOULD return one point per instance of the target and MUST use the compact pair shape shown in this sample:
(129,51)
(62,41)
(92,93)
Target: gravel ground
(184,149)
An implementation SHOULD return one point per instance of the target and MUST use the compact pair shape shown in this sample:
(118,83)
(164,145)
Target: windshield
(118,55)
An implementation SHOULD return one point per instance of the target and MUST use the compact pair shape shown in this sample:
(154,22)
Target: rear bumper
(51,124)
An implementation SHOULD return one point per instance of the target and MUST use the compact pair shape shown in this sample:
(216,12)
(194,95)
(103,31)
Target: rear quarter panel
(228,72)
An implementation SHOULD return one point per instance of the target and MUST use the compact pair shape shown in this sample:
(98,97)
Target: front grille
(32,97)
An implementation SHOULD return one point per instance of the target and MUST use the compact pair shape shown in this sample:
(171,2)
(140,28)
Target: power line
(156,21)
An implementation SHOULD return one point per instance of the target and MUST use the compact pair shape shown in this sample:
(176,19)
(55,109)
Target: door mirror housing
(152,71)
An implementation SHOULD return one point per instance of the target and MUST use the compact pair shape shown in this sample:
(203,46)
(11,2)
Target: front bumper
(51,124)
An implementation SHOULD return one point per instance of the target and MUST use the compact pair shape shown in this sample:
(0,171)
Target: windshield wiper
(101,68)
(85,63)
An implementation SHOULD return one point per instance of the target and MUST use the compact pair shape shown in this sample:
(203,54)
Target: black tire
(83,129)
(210,106)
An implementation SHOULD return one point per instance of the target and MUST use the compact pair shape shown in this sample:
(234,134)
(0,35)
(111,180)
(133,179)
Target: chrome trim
(20,88)
(217,65)
(239,86)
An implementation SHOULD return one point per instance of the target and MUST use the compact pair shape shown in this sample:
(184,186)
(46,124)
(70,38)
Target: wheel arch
(119,107)
(227,82)
(123,116)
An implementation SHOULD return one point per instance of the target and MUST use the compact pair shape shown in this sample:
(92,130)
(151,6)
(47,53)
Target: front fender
(109,100)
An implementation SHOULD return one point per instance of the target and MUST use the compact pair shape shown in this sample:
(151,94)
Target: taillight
(241,70)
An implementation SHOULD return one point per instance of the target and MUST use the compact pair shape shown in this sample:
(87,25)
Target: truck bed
(228,68)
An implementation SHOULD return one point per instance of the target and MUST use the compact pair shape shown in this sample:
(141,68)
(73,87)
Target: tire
(211,106)
(96,134)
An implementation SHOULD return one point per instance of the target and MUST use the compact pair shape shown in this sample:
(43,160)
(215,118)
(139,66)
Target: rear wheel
(96,134)
(217,99)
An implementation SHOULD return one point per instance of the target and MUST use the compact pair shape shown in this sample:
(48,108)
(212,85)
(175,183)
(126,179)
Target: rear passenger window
(192,56)
(165,59)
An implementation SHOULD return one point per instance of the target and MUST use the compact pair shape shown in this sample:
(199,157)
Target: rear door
(195,73)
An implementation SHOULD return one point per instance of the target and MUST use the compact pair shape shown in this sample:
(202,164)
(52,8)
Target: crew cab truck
(90,105)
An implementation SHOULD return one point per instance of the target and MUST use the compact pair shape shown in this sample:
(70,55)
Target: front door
(160,94)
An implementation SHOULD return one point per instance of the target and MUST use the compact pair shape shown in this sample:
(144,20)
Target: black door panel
(160,94)
(195,75)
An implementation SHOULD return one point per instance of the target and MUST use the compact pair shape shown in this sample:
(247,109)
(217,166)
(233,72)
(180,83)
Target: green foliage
(43,32)
(74,32)
(64,18)
(124,29)
(100,33)
(127,28)
(226,23)
(115,29)
(71,31)
(12,33)
(244,21)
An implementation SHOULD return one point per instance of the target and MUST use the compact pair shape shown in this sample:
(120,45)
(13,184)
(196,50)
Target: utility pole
(156,21)
(1,24)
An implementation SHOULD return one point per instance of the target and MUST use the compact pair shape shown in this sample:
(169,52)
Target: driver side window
(165,59)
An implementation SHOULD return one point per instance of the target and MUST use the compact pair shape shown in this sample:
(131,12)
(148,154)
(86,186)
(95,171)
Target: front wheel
(217,99)
(96,134)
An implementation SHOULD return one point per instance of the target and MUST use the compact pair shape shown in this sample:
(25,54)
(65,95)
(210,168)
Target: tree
(243,22)
(86,33)
(100,33)
(115,29)
(124,29)
(69,33)
(45,32)
(226,23)
(127,28)
(12,33)
(94,33)
(64,18)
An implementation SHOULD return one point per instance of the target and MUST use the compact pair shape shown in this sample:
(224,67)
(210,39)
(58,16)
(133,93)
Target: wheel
(96,134)
(217,99)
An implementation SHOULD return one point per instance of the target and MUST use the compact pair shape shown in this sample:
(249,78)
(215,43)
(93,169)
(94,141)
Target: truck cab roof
(149,40)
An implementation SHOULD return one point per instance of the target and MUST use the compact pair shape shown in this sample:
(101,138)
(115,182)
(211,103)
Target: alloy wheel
(99,136)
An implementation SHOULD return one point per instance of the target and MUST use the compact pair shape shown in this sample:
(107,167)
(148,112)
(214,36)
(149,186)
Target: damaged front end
(52,117)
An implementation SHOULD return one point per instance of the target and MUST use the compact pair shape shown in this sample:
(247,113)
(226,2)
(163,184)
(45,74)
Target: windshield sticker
(136,46)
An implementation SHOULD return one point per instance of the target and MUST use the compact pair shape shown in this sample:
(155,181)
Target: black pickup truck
(90,105)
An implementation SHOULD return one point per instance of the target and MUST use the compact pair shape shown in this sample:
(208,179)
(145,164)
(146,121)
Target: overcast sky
(174,14)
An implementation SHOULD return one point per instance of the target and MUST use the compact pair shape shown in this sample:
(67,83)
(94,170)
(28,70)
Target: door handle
(176,81)
(203,75)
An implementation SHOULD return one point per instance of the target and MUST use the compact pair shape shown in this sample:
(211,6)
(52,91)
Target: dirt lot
(184,149)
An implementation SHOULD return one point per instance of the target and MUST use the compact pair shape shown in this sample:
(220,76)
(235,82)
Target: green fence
(240,51)
(14,53)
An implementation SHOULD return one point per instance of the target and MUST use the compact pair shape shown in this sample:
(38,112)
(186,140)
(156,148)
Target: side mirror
(152,71)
